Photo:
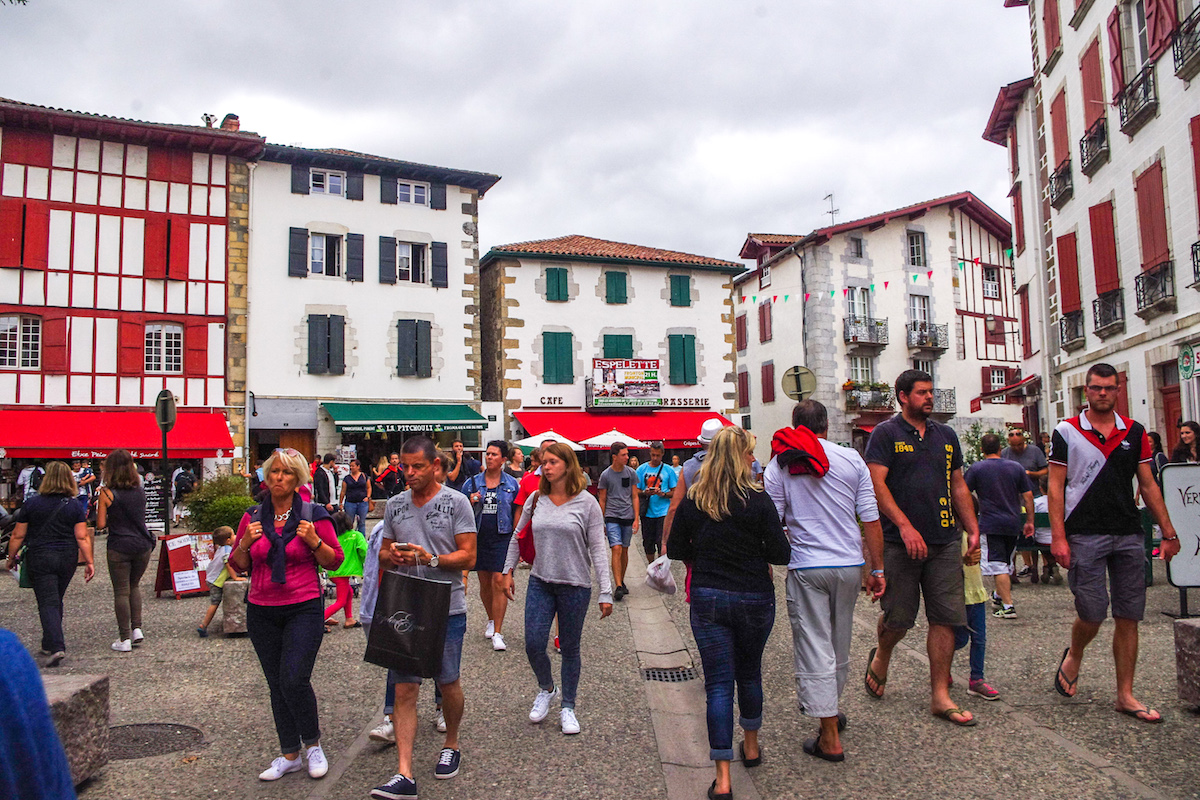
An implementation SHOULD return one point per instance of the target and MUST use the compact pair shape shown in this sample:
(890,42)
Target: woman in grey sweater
(568,532)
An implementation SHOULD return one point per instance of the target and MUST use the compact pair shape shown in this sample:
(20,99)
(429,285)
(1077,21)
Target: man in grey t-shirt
(429,532)
(1036,468)
(619,502)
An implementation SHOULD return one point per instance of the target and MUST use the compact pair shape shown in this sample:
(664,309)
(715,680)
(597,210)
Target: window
(916,249)
(918,308)
(1138,20)
(556,285)
(856,247)
(615,288)
(764,276)
(1066,255)
(1026,326)
(923,364)
(768,382)
(1059,134)
(326,344)
(743,390)
(1152,216)
(739,332)
(764,322)
(414,349)
(326,255)
(415,193)
(1018,220)
(410,262)
(681,290)
(618,345)
(164,348)
(558,358)
(862,369)
(20,342)
(991,283)
(858,302)
(999,379)
(682,354)
(323,181)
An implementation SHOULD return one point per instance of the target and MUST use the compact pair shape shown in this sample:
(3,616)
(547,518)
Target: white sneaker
(318,765)
(541,705)
(570,725)
(490,630)
(383,732)
(498,642)
(138,637)
(122,645)
(280,767)
(440,722)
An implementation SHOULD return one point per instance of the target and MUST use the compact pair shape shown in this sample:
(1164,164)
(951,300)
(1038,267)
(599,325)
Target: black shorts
(1001,548)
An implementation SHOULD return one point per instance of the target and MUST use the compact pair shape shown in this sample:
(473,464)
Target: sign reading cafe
(625,383)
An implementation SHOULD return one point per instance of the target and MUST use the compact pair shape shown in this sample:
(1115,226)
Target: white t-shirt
(218,563)
(821,514)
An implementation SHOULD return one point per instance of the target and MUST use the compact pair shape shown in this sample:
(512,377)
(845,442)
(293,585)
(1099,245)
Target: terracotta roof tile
(775,238)
(192,128)
(587,247)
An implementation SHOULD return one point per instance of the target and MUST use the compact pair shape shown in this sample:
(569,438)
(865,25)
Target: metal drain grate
(670,675)
(150,739)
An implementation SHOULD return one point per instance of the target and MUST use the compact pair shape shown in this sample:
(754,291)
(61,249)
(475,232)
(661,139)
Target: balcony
(1061,186)
(1196,265)
(945,402)
(1156,290)
(1070,331)
(866,332)
(1093,147)
(1108,313)
(1138,101)
(865,398)
(927,336)
(1186,46)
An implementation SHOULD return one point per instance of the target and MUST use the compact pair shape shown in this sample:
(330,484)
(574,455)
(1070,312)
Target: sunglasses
(287,451)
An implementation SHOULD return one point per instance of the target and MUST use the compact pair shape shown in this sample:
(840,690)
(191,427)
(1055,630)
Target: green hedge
(219,501)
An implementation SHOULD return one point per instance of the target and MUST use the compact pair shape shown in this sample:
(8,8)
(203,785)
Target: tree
(970,442)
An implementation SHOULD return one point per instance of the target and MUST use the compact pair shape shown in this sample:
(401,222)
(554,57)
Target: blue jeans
(731,630)
(542,601)
(50,571)
(358,515)
(286,640)
(974,631)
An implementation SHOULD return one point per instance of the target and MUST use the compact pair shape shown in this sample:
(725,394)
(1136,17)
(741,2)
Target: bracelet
(318,547)
(1170,538)
(877,572)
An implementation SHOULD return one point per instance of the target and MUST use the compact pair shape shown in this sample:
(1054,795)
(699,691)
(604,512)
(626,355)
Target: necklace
(284,516)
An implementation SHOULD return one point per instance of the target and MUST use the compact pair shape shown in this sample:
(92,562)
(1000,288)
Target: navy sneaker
(397,788)
(447,766)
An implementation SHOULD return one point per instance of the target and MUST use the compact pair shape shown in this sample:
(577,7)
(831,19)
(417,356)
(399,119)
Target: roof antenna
(832,211)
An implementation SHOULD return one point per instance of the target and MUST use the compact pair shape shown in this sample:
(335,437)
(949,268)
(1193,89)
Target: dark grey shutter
(441,268)
(337,345)
(387,189)
(318,344)
(424,349)
(387,259)
(354,186)
(406,347)
(354,256)
(300,181)
(437,196)
(298,252)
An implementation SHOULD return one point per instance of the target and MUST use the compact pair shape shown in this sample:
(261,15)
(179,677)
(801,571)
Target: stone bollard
(79,707)
(233,606)
(1187,659)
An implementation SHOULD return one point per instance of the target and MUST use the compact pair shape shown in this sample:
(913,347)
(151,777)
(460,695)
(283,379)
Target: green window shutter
(557,358)
(566,359)
(689,359)
(406,347)
(618,345)
(556,284)
(424,349)
(615,288)
(337,344)
(681,290)
(675,357)
(318,344)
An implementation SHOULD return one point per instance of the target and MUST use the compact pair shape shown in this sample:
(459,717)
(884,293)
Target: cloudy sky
(660,122)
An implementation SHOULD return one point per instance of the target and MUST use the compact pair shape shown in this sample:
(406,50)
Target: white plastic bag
(659,577)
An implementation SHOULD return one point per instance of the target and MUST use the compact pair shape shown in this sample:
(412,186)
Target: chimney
(231,123)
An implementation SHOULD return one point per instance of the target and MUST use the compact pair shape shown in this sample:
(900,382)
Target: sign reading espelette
(625,383)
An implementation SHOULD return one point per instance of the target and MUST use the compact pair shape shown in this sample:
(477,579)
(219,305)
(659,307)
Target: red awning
(1012,388)
(42,433)
(864,428)
(675,428)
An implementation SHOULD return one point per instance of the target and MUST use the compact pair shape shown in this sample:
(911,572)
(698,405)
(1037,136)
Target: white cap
(709,429)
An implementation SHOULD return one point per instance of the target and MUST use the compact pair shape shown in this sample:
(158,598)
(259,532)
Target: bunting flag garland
(914,278)
(806,297)
(832,292)
(844,291)
(930,275)
(976,260)
(872,287)
(885,283)
(753,298)
(774,298)
(785,297)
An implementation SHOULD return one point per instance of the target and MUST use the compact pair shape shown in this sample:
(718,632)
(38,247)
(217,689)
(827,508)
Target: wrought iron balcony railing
(1061,185)
(1093,147)
(866,331)
(870,400)
(1155,290)
(945,401)
(1108,312)
(927,336)
(1196,264)
(1138,100)
(1186,46)
(1070,330)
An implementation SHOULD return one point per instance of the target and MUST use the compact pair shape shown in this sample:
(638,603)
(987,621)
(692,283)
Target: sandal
(813,748)
(1061,677)
(1143,715)
(949,715)
(354,624)
(877,693)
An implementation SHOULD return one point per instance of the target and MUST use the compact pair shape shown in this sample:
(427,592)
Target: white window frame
(916,249)
(998,378)
(327,181)
(862,369)
(1141,33)
(319,252)
(412,262)
(20,342)
(925,365)
(858,302)
(918,308)
(412,192)
(856,247)
(991,286)
(764,276)
(163,348)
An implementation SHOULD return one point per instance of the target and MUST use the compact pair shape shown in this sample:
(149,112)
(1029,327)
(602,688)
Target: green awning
(404,417)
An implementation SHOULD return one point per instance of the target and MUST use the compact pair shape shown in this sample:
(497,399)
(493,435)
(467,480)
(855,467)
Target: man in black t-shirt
(916,467)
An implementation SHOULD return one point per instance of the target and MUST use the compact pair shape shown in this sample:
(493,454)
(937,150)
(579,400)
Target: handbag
(525,546)
(408,628)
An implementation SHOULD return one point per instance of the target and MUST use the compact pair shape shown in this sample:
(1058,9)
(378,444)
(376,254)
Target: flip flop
(813,748)
(1058,684)
(355,624)
(1142,715)
(871,676)
(949,714)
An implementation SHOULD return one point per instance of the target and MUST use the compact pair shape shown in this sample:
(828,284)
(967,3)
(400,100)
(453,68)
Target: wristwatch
(433,560)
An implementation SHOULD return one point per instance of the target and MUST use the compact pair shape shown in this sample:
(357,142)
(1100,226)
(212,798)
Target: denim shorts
(619,533)
(456,629)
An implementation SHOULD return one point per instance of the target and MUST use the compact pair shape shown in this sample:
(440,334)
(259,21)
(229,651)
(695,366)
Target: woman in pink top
(281,543)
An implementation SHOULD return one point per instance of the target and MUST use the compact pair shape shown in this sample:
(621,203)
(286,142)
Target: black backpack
(184,484)
(35,480)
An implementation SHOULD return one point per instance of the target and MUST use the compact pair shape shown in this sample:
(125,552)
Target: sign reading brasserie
(625,383)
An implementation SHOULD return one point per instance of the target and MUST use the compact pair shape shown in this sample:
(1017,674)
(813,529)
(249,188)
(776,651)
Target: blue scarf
(279,540)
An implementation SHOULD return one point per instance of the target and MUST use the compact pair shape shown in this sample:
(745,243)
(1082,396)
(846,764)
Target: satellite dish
(799,383)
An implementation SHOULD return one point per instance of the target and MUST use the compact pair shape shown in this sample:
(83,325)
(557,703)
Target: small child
(219,571)
(354,548)
(975,631)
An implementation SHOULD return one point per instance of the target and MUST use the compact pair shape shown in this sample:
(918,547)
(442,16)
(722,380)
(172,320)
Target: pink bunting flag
(930,274)
(806,297)
(844,291)
(774,298)
(885,283)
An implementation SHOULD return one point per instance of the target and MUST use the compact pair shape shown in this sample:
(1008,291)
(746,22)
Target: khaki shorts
(938,578)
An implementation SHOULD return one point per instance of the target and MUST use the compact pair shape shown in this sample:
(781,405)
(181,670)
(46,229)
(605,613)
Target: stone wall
(237,276)
(470,292)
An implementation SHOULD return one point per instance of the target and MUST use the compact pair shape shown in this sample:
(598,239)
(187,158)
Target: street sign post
(164,415)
